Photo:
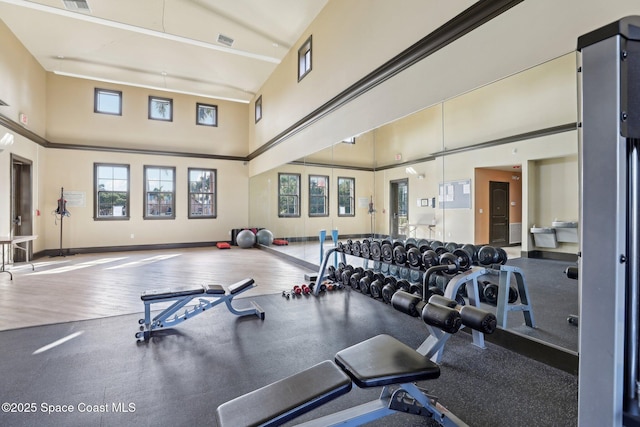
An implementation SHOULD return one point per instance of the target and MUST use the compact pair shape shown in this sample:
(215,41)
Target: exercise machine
(381,361)
(207,296)
(609,279)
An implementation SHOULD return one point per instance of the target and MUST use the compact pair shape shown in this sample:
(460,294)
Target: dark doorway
(21,202)
(499,213)
(398,206)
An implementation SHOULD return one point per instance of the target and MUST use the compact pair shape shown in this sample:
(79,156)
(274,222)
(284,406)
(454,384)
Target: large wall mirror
(438,173)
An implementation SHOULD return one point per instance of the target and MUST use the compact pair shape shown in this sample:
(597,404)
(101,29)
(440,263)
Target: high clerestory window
(304,59)
(160,108)
(346,196)
(106,101)
(258,108)
(318,195)
(202,193)
(111,191)
(159,192)
(289,195)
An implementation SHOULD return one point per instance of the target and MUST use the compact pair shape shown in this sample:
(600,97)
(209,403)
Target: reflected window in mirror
(202,193)
(289,195)
(258,108)
(318,195)
(304,59)
(346,196)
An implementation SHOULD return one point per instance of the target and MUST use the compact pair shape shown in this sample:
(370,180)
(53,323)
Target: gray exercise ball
(246,239)
(265,237)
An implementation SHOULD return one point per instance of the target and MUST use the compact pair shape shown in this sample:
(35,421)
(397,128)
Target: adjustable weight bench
(379,361)
(207,296)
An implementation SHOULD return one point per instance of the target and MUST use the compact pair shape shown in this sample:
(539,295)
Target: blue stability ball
(265,237)
(246,239)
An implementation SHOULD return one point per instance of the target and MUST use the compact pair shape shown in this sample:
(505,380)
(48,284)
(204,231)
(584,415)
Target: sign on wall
(76,199)
(455,194)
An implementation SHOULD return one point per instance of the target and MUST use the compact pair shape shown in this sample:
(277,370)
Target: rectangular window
(318,195)
(258,108)
(289,195)
(202,193)
(206,115)
(160,108)
(304,59)
(159,192)
(107,101)
(346,196)
(111,191)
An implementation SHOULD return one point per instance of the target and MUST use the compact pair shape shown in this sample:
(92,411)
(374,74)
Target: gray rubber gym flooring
(180,376)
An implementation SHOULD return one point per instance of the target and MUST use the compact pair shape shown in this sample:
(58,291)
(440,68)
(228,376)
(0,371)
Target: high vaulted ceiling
(163,44)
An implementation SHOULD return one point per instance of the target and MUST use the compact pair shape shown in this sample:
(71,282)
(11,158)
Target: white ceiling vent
(77,5)
(225,40)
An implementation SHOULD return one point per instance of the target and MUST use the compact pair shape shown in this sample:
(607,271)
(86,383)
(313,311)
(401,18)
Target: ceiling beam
(138,30)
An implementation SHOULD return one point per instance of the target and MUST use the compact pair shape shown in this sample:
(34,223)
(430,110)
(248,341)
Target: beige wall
(539,97)
(71,120)
(264,203)
(61,110)
(22,83)
(23,87)
(73,170)
(345,48)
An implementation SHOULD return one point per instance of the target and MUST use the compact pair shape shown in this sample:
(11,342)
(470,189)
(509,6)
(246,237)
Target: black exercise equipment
(365,249)
(381,361)
(399,255)
(429,258)
(414,256)
(387,252)
(389,288)
(376,251)
(208,296)
(376,286)
(572,273)
(435,244)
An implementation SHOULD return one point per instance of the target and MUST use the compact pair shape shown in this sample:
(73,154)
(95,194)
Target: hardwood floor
(90,286)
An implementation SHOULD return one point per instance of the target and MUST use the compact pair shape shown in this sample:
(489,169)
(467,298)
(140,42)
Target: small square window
(160,108)
(258,108)
(107,101)
(304,59)
(206,115)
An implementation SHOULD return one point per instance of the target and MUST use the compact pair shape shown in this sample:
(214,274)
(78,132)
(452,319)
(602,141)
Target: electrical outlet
(132,235)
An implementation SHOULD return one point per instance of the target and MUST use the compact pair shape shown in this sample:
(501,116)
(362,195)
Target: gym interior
(460,131)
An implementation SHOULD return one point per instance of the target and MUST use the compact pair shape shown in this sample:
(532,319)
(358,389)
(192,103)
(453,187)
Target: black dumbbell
(390,287)
(376,286)
(399,255)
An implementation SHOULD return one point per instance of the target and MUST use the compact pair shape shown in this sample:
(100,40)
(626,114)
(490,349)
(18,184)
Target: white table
(13,242)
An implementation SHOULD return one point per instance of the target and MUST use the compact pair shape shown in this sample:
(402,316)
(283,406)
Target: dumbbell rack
(323,267)
(504,283)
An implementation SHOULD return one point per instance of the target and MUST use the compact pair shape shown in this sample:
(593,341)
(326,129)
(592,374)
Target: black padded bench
(208,296)
(378,361)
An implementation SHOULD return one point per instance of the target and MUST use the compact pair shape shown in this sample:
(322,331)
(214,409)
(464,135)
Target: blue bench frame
(208,296)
